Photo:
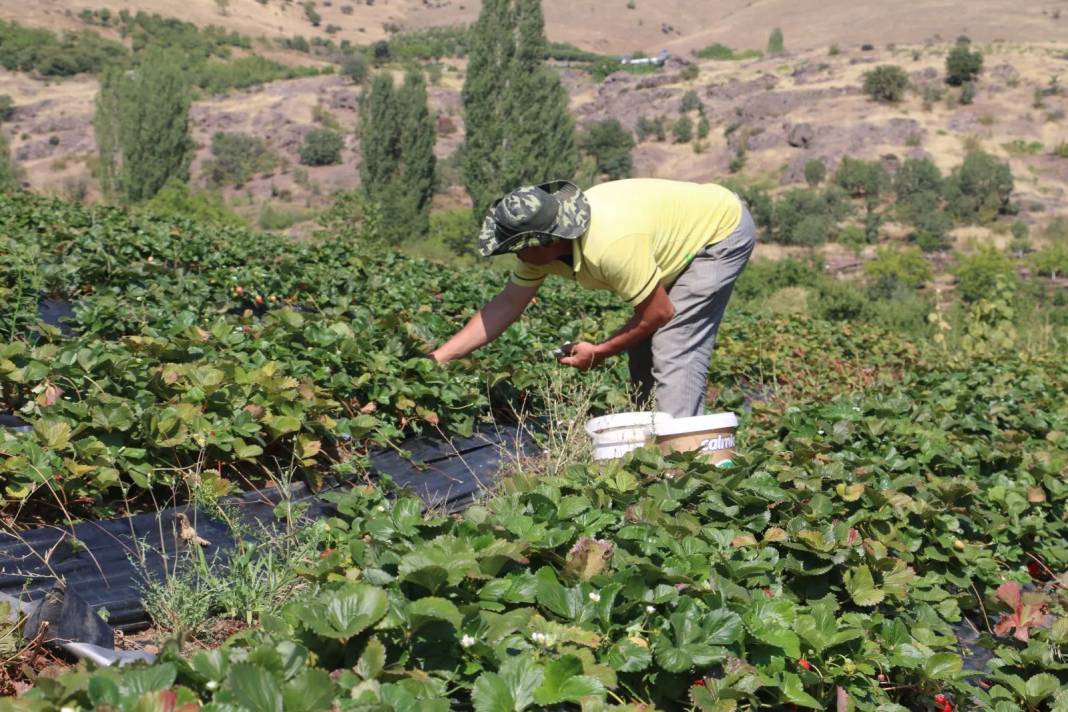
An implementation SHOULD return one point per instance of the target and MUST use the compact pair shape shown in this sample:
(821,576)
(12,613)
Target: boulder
(799,135)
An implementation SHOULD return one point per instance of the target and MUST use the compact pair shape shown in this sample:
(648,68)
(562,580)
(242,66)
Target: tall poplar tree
(397,171)
(142,127)
(518,129)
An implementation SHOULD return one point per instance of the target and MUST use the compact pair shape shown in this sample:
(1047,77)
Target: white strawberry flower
(212,685)
(595,597)
(650,609)
(466,641)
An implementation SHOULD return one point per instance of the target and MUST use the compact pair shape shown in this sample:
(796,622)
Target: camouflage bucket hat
(534,215)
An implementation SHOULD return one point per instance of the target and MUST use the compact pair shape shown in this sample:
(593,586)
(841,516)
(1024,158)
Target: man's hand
(583,356)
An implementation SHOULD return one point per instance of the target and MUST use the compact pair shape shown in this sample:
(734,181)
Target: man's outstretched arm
(655,311)
(487,324)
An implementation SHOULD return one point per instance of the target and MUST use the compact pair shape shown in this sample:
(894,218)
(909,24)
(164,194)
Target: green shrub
(435,43)
(738,162)
(1051,261)
(763,277)
(237,157)
(176,199)
(807,217)
(703,126)
(610,144)
(682,129)
(7,107)
(775,42)
(810,231)
(297,43)
(761,205)
(715,51)
(963,65)
(276,218)
(690,102)
(978,275)
(967,93)
(860,178)
(839,301)
(979,189)
(651,127)
(1019,230)
(815,172)
(1020,147)
(886,83)
(723,52)
(455,229)
(916,177)
(10,173)
(355,68)
(852,236)
(894,269)
(244,72)
(29,49)
(321,147)
(311,14)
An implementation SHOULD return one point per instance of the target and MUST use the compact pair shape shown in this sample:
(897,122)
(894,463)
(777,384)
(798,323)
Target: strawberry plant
(890,537)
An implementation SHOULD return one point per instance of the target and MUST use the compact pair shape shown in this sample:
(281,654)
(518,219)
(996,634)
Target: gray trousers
(673,363)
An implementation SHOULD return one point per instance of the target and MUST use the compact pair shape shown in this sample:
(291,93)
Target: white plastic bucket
(617,434)
(712,434)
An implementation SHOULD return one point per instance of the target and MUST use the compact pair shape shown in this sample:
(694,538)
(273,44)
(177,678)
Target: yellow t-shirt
(643,232)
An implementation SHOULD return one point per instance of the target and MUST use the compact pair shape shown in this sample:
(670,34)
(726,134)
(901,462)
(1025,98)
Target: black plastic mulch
(106,561)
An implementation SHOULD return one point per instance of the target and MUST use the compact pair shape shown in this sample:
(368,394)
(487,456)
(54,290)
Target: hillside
(617,26)
(779,111)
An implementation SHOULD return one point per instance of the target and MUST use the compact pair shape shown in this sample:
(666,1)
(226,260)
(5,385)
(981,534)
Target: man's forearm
(487,324)
(635,331)
(475,334)
(648,316)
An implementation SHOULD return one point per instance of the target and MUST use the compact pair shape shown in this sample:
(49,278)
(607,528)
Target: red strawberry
(806,665)
(1035,569)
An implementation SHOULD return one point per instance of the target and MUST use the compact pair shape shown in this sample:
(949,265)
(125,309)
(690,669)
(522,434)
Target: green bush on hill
(861,179)
(690,102)
(610,144)
(654,127)
(321,147)
(723,52)
(815,172)
(963,65)
(886,83)
(682,129)
(807,217)
(979,189)
(28,49)
(894,269)
(177,200)
(7,108)
(236,157)
(979,275)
